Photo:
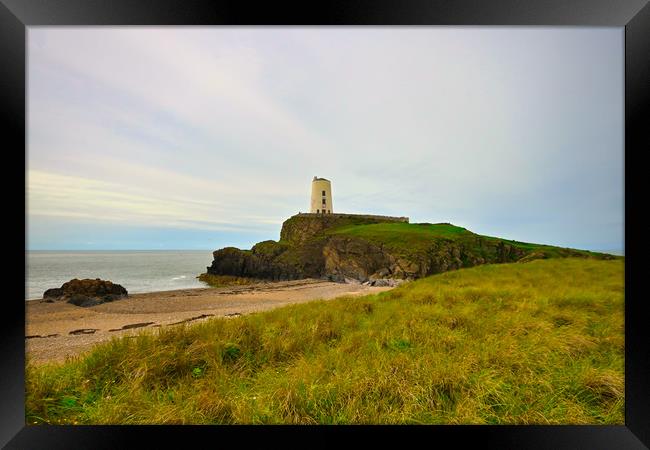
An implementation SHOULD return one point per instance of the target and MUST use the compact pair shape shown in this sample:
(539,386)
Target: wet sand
(57,330)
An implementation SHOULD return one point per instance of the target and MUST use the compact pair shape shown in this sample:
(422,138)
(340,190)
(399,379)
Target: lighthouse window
(318,211)
(323,201)
(323,193)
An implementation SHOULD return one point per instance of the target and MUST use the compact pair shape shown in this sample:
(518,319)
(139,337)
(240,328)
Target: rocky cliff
(362,248)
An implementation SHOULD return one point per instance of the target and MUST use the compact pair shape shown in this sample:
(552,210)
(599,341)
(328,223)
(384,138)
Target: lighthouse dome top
(319,179)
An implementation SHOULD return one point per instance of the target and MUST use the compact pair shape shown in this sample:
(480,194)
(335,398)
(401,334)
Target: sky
(206,137)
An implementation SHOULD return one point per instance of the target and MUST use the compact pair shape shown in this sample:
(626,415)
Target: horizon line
(619,252)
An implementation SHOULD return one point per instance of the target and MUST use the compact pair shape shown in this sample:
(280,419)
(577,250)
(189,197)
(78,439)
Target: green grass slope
(522,343)
(411,238)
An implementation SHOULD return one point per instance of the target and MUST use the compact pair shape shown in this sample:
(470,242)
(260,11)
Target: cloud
(72,197)
(500,129)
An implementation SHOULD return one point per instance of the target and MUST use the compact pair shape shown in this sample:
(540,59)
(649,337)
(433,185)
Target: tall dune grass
(534,343)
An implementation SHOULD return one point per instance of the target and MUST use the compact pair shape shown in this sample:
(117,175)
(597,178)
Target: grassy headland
(341,247)
(522,343)
(413,238)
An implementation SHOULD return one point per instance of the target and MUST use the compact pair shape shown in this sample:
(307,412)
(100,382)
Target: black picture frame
(634,15)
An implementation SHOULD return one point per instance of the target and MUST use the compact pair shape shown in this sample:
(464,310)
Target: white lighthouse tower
(321,196)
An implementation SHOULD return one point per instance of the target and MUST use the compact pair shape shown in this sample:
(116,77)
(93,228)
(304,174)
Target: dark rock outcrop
(132,325)
(249,263)
(384,282)
(86,292)
(83,331)
(53,293)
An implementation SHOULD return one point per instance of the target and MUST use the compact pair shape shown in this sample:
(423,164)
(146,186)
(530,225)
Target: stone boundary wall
(361,216)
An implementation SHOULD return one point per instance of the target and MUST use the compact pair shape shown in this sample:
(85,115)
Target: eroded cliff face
(307,250)
(359,259)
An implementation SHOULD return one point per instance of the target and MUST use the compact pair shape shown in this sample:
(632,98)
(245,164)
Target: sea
(136,270)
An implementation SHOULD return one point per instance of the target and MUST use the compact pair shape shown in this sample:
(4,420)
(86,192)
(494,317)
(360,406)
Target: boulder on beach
(86,292)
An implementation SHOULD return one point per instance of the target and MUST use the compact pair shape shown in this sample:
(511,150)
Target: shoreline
(133,294)
(205,286)
(55,331)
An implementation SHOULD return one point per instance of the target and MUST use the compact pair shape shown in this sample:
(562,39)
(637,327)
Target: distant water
(137,271)
(616,252)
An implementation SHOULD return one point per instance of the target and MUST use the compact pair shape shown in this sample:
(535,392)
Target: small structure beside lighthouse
(321,196)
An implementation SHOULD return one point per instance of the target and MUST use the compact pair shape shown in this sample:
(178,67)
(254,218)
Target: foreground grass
(523,343)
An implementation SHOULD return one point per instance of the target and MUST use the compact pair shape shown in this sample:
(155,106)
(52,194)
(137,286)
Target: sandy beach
(57,330)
